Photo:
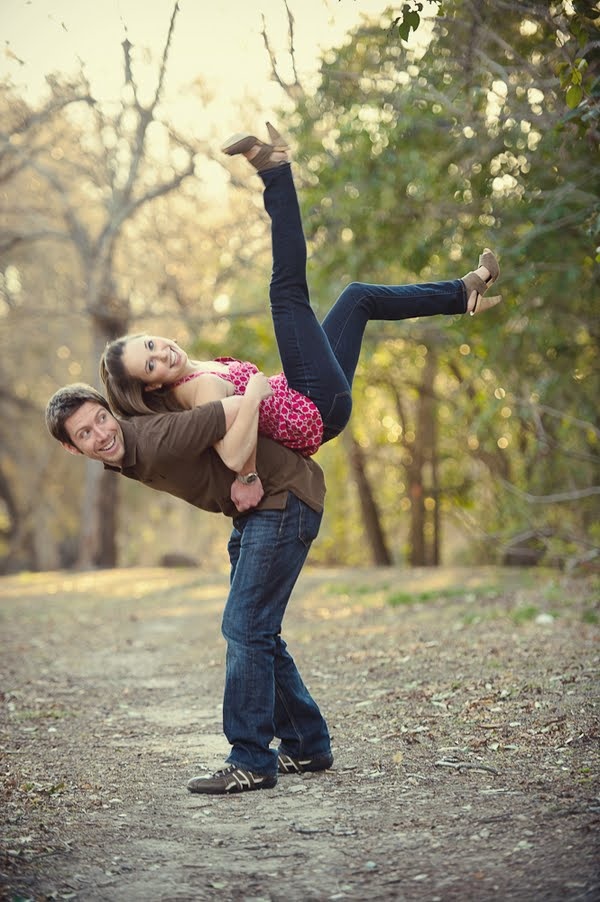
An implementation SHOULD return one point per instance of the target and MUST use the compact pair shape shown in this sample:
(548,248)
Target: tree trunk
(437,523)
(99,514)
(370,514)
(11,509)
(423,541)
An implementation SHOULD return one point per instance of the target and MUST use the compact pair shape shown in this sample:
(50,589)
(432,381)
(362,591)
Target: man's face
(94,432)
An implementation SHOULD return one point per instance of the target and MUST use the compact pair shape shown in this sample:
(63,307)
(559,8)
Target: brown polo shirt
(172,452)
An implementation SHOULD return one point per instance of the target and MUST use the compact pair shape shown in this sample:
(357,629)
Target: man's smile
(109,447)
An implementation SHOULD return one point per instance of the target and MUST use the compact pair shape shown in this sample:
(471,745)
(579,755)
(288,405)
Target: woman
(310,402)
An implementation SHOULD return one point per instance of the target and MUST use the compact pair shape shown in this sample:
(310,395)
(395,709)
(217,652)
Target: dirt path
(465,729)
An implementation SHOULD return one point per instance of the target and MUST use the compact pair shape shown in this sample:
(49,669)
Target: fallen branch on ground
(466,765)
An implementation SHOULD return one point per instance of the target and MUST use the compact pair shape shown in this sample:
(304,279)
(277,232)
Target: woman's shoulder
(185,379)
(234,364)
(227,361)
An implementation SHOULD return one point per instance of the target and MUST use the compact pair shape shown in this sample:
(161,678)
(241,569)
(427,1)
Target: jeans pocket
(309,522)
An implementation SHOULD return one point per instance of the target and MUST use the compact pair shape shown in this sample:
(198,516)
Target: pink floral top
(287,416)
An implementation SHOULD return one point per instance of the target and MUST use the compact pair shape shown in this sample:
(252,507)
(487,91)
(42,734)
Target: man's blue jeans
(319,360)
(265,696)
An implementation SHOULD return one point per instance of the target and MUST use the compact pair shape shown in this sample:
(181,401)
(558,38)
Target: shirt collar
(130,445)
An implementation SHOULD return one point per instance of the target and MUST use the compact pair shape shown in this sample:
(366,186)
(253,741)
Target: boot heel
(242,142)
(474,283)
(276,139)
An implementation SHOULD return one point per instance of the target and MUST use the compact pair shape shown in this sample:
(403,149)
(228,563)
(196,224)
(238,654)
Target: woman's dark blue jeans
(319,360)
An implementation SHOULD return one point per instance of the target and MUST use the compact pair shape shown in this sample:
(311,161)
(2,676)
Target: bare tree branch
(127,45)
(574,495)
(272,57)
(78,231)
(11,241)
(54,105)
(20,403)
(561,415)
(163,65)
(126,211)
(292,50)
(145,114)
(293,89)
(15,154)
(549,442)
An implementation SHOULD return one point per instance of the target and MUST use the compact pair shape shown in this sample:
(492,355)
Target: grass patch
(398,599)
(40,714)
(525,614)
(350,590)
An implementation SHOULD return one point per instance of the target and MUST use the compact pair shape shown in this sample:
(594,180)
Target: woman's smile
(156,361)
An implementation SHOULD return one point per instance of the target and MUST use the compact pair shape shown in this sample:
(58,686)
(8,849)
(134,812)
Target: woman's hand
(258,387)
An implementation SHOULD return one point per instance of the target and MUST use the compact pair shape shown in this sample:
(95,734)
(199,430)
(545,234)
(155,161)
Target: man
(264,696)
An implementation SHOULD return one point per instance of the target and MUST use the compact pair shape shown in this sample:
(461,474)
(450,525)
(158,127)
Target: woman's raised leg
(309,363)
(360,302)
(320,361)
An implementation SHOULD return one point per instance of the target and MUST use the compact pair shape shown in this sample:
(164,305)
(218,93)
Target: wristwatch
(248,479)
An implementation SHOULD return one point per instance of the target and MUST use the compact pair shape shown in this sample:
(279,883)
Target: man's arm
(229,425)
(183,433)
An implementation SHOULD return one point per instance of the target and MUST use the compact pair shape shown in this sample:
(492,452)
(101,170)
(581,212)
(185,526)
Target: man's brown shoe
(231,779)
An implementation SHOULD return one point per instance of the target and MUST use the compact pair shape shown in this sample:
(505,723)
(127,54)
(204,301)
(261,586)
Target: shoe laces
(226,770)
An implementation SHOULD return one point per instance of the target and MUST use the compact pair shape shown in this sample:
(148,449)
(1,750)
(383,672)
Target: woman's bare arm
(238,445)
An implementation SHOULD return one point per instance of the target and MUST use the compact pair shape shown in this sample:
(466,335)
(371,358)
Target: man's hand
(245,497)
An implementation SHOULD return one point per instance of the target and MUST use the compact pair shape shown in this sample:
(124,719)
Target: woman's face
(156,361)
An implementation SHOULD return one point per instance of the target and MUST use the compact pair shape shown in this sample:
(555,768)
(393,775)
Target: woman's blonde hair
(128,395)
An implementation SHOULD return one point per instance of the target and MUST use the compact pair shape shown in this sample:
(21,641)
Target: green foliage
(409,19)
(410,160)
(413,161)
(578,79)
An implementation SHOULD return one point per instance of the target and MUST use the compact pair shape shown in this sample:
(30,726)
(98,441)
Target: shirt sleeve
(185,433)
